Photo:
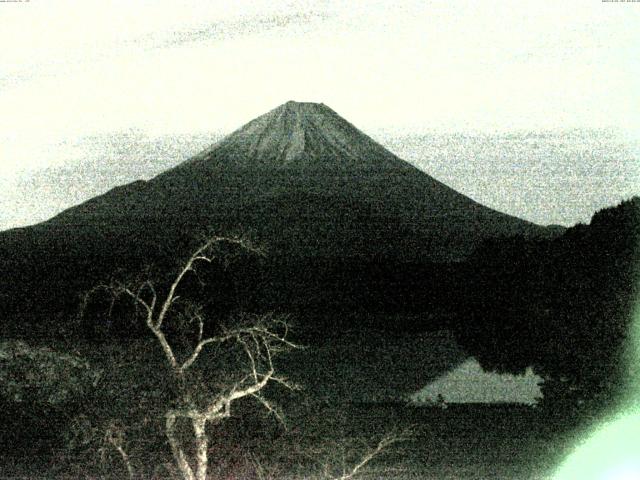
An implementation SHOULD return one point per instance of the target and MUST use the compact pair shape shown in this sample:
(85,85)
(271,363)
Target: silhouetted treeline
(563,306)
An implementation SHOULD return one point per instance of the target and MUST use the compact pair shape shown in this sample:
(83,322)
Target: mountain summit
(300,135)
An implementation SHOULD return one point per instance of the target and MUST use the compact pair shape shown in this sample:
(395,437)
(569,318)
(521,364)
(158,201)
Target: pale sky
(77,70)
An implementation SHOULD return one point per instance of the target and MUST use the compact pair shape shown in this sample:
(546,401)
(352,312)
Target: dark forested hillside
(563,306)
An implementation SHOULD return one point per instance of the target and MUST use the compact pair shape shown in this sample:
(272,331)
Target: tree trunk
(127,462)
(199,427)
(178,454)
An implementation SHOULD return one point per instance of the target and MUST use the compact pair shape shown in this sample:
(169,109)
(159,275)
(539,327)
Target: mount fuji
(306,183)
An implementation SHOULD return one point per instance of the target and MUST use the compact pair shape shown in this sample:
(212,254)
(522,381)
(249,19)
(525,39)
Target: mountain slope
(302,168)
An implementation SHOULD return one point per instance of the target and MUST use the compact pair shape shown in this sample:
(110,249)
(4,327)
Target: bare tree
(199,401)
(258,338)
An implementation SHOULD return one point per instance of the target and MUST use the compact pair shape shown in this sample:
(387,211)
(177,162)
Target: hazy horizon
(547,177)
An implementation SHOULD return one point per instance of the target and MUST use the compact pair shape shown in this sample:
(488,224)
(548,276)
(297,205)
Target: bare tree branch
(114,436)
(272,409)
(198,349)
(252,360)
(259,337)
(200,255)
(382,446)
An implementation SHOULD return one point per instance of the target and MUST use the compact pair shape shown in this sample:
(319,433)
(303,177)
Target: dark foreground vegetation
(86,395)
(323,440)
